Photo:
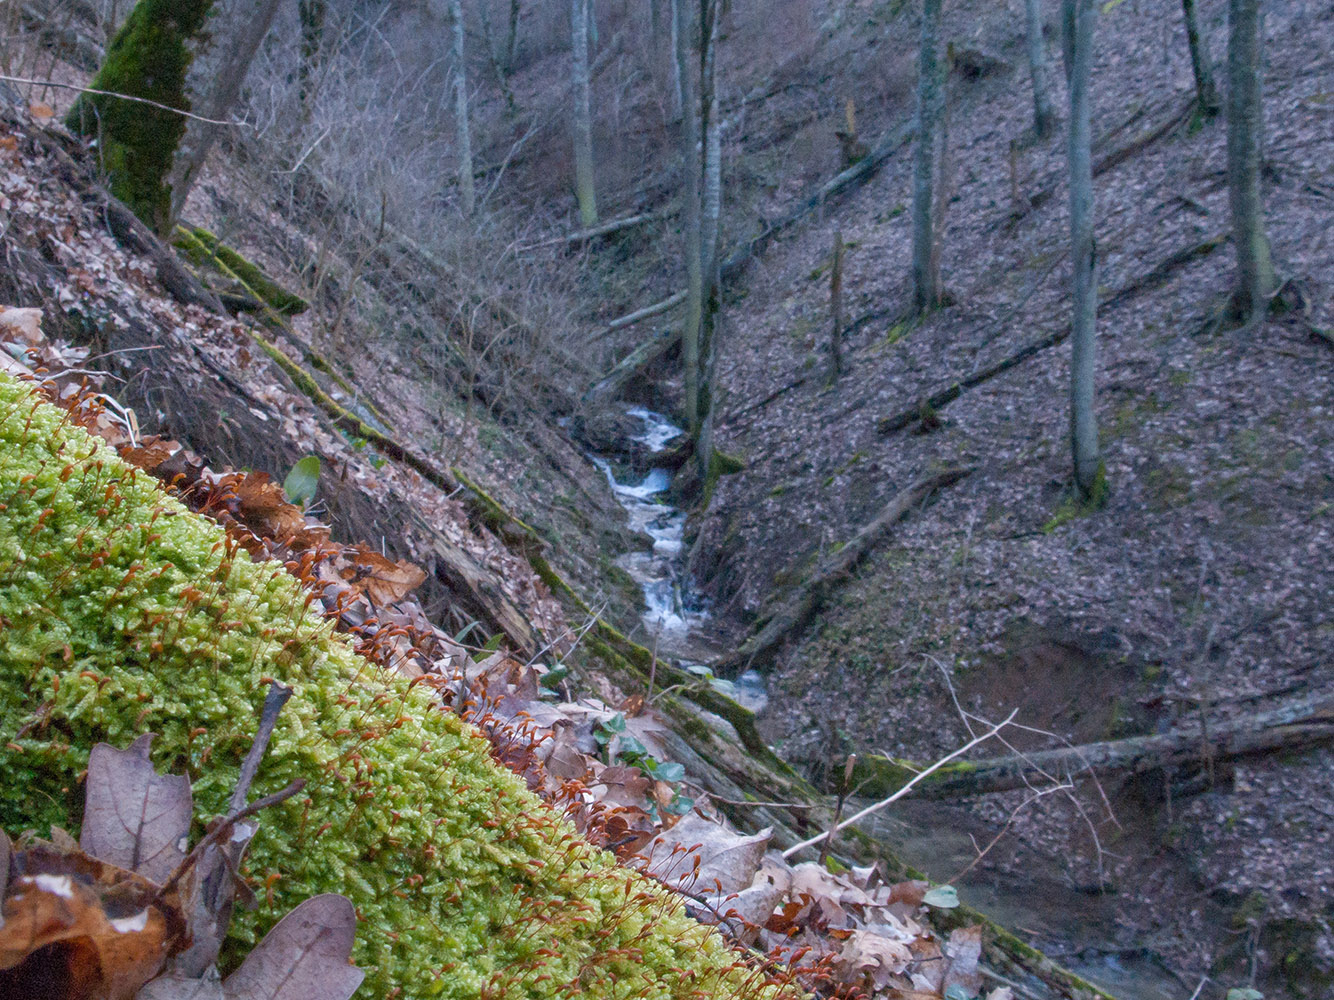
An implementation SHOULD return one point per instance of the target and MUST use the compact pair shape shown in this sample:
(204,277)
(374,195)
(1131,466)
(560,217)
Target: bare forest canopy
(1000,339)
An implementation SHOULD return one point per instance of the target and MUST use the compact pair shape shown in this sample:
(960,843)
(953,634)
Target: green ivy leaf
(957,992)
(630,747)
(943,897)
(670,771)
(1244,993)
(553,677)
(302,482)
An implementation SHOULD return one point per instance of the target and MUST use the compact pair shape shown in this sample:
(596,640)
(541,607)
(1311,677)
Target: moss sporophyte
(121,613)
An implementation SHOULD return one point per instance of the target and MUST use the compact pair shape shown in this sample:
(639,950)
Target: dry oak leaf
(727,862)
(134,817)
(304,957)
(381,579)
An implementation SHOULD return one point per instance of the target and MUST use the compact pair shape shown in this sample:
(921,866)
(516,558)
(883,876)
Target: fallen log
(849,180)
(610,385)
(1110,161)
(648,312)
(1291,726)
(583,235)
(798,607)
(944,396)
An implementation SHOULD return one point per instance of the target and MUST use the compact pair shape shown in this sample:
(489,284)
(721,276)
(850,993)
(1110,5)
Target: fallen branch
(609,386)
(907,787)
(1295,725)
(606,229)
(799,606)
(1115,158)
(942,397)
(648,312)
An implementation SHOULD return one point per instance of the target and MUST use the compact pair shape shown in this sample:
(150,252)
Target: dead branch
(1294,725)
(942,397)
(907,787)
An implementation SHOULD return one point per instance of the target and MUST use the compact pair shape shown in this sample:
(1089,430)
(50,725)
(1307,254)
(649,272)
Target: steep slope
(1201,589)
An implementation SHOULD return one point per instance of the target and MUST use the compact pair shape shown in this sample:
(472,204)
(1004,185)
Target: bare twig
(926,772)
(124,97)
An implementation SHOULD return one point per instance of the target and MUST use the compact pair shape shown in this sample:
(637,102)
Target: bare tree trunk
(512,36)
(690,190)
(925,262)
(462,129)
(1079,16)
(1044,116)
(199,137)
(1255,269)
(311,14)
(497,54)
(678,68)
(1206,92)
(584,187)
(836,309)
(711,214)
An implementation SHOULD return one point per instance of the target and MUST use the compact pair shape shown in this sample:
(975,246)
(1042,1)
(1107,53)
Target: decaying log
(798,607)
(1292,726)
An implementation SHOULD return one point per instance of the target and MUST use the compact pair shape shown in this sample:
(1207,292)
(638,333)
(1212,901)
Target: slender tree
(927,292)
(1256,279)
(462,128)
(1079,18)
(221,100)
(692,225)
(1044,116)
(710,227)
(836,309)
(584,187)
(148,58)
(1206,92)
(312,15)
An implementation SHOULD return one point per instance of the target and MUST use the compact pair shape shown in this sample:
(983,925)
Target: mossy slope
(121,612)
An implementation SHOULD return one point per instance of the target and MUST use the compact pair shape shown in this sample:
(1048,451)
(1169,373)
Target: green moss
(148,58)
(121,612)
(203,248)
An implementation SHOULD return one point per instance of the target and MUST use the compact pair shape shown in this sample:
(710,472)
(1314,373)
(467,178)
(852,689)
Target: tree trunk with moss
(148,58)
(1256,280)
(692,225)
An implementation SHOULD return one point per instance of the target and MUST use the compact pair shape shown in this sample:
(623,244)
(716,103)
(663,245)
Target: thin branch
(124,97)
(876,807)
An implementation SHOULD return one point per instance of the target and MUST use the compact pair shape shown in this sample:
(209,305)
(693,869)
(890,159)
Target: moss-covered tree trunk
(148,58)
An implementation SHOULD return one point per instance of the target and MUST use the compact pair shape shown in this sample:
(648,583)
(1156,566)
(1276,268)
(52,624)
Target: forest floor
(1203,587)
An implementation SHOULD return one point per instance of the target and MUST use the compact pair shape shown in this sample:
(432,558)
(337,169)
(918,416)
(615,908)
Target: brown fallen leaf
(727,861)
(104,937)
(381,579)
(134,817)
(304,957)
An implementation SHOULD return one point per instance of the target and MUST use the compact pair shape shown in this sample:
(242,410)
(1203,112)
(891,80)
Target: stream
(1075,928)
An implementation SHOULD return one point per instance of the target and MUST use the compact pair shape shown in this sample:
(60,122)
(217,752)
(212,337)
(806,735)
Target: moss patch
(205,250)
(121,612)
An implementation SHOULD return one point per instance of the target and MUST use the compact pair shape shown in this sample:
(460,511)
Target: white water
(658,572)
